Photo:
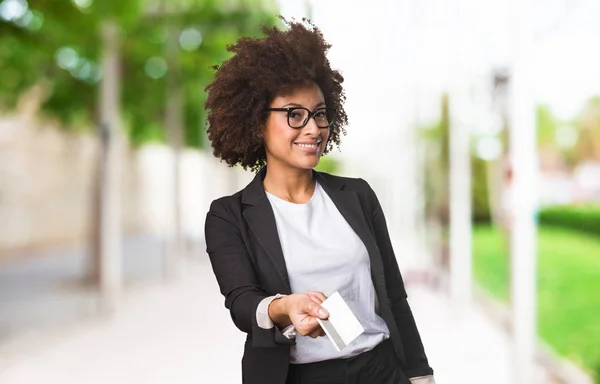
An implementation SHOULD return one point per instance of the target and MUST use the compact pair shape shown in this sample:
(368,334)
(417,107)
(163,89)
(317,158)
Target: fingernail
(322,312)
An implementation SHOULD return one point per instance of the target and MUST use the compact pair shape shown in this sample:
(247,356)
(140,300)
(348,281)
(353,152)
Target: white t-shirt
(323,253)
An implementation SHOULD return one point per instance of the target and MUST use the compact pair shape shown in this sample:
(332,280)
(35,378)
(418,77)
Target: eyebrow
(322,103)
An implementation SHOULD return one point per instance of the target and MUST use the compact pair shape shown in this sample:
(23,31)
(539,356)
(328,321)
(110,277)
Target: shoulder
(359,185)
(226,206)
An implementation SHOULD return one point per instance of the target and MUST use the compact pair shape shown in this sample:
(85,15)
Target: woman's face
(297,148)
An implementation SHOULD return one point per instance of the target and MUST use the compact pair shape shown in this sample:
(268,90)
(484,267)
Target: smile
(309,147)
(303,145)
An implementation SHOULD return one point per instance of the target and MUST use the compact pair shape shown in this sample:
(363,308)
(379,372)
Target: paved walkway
(47,289)
(180,332)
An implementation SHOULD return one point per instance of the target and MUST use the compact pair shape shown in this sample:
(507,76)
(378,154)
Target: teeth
(307,145)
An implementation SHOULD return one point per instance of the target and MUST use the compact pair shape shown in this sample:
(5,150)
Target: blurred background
(476,122)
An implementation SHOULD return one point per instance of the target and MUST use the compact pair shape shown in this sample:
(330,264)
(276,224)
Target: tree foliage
(56,44)
(588,125)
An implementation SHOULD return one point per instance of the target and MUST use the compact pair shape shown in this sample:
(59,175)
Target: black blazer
(246,257)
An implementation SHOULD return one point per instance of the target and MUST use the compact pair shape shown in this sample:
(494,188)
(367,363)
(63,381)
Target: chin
(307,164)
(311,166)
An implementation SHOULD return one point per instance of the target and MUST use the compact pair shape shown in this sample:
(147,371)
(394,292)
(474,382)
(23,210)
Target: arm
(237,278)
(416,360)
(268,316)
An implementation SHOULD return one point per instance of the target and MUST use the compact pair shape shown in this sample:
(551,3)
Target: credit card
(342,327)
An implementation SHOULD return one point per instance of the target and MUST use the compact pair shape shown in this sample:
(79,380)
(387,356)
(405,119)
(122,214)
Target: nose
(311,128)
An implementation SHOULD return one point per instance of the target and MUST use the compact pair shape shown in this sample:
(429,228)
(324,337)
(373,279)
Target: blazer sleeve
(236,276)
(416,359)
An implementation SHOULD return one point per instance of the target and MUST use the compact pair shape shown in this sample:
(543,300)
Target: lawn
(568,287)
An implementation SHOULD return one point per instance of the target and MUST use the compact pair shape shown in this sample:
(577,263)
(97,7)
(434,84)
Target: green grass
(568,287)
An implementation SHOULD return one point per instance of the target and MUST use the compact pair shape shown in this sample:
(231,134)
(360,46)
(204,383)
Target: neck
(292,184)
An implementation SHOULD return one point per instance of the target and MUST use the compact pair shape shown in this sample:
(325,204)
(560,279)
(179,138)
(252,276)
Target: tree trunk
(461,264)
(174,119)
(523,194)
(106,227)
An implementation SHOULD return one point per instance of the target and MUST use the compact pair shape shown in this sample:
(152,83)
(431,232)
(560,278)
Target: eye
(294,115)
(320,114)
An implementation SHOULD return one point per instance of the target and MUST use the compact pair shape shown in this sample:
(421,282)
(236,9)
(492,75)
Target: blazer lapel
(349,205)
(260,218)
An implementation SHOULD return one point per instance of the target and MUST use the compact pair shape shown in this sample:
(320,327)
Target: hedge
(583,218)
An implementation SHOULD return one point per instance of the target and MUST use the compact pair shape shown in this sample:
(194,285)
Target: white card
(342,327)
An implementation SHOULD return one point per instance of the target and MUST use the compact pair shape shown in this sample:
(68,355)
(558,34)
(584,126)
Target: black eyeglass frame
(311,114)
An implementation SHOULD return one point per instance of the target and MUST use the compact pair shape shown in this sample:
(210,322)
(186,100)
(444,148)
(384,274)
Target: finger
(309,322)
(316,333)
(315,310)
(308,326)
(318,295)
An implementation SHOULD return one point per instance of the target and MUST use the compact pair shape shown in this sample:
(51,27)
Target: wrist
(278,312)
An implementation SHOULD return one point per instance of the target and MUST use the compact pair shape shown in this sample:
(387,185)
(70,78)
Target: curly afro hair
(261,69)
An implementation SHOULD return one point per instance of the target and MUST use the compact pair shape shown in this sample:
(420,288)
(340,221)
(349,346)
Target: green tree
(437,193)
(588,126)
(547,124)
(56,44)
(165,51)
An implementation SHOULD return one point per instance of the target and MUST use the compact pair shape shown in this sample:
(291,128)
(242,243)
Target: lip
(312,146)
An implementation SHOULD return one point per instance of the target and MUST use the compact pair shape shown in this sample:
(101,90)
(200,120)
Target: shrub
(583,218)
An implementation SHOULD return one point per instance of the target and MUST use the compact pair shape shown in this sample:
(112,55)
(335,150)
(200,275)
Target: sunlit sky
(567,32)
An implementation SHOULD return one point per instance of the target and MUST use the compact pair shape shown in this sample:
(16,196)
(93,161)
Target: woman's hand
(319,298)
(301,310)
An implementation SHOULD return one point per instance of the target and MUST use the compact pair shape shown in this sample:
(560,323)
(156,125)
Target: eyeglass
(298,116)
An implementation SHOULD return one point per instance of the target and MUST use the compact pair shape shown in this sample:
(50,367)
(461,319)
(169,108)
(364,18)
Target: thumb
(315,310)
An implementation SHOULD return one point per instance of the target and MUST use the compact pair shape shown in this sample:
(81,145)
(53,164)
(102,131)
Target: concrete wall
(46,187)
(46,180)
(203,179)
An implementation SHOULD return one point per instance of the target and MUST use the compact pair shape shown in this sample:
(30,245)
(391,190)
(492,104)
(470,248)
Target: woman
(294,235)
